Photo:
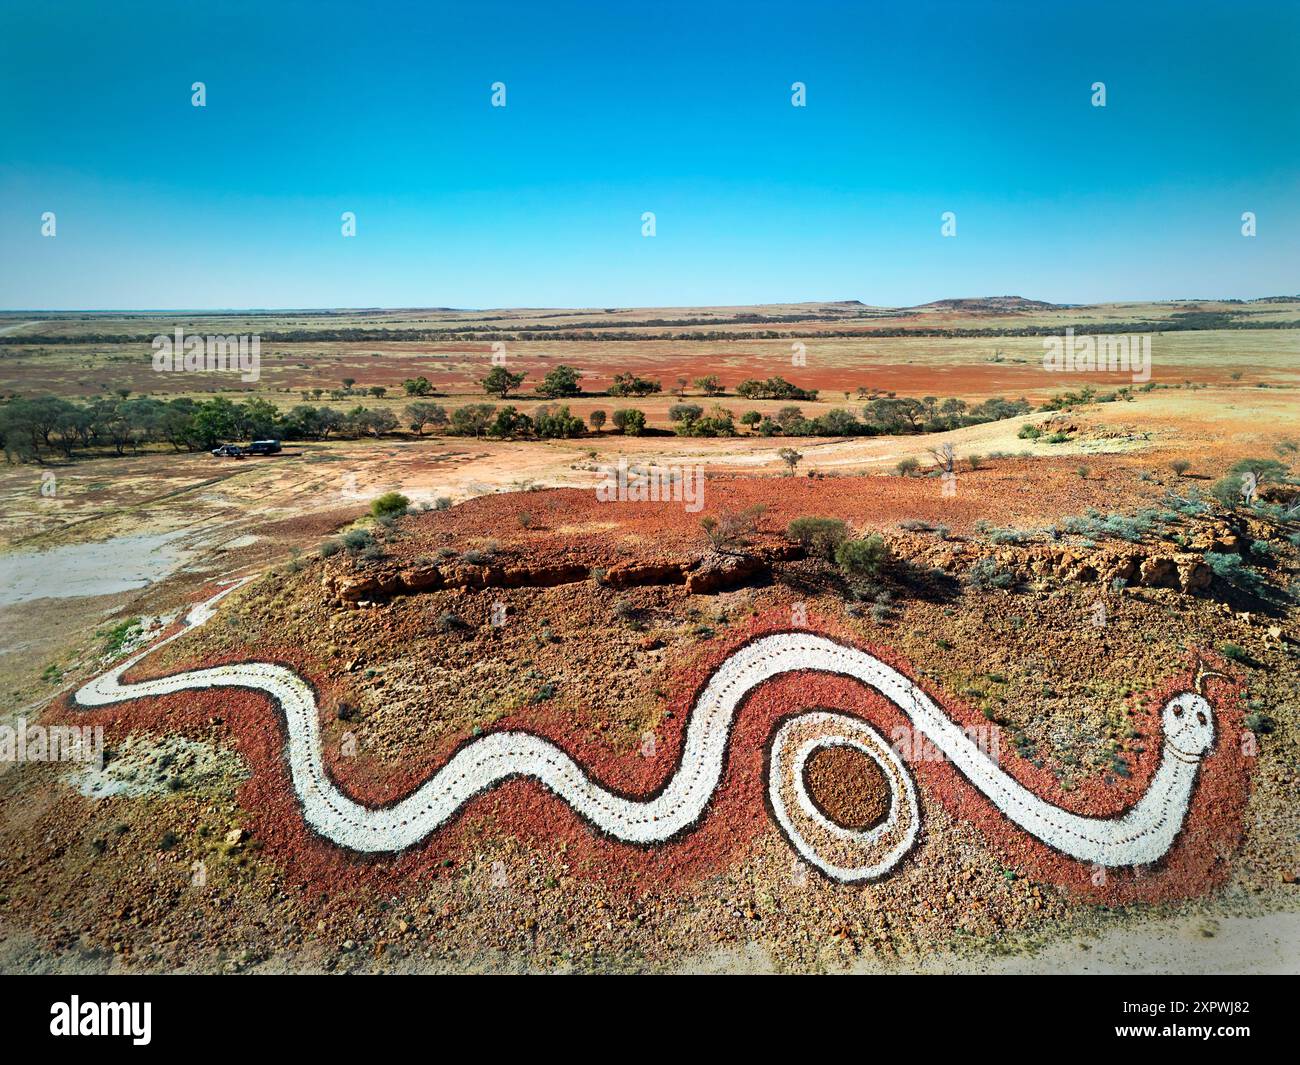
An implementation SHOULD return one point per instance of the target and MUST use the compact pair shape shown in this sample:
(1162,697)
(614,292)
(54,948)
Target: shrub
(630,422)
(627,611)
(390,504)
(1029,432)
(790,457)
(862,558)
(1263,469)
(906,467)
(552,422)
(1227,490)
(480,556)
(1229,568)
(774,388)
(442,503)
(1258,723)
(357,540)
(1180,466)
(819,536)
(1235,652)
(329,547)
(1011,536)
(450,622)
(985,575)
(628,384)
(731,529)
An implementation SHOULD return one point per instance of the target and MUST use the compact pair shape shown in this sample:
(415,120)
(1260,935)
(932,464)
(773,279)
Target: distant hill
(987,305)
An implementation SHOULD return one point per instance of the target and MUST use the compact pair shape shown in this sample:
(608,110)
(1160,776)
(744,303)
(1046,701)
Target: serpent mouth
(847,787)
(1186,755)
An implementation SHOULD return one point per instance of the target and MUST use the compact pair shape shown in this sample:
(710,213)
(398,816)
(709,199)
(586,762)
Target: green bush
(631,422)
(390,504)
(819,536)
(862,558)
(1229,568)
(357,540)
(985,574)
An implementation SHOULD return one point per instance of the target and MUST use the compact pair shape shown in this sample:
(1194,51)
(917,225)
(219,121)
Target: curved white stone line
(879,848)
(1141,835)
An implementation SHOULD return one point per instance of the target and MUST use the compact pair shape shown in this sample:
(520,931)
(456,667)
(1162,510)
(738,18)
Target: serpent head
(1189,724)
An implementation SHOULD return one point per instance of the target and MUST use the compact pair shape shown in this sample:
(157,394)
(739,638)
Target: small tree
(732,529)
(945,457)
(501,382)
(821,537)
(629,384)
(1180,466)
(790,457)
(418,415)
(596,419)
(560,382)
(631,422)
(710,385)
(906,467)
(751,418)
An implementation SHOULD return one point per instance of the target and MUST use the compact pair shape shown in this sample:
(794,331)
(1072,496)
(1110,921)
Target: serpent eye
(1178,710)
(1200,716)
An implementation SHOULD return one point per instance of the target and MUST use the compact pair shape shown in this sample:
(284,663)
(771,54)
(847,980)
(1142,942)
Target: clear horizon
(314,110)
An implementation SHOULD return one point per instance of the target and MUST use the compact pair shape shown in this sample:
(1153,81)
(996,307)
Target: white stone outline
(841,730)
(1139,836)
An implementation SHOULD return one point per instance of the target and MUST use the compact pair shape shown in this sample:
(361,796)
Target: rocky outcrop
(720,573)
(1147,567)
(712,573)
(635,574)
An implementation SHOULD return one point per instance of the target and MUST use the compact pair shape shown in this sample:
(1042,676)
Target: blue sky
(684,109)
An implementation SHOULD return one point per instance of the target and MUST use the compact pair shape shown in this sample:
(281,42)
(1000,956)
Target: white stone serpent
(1140,835)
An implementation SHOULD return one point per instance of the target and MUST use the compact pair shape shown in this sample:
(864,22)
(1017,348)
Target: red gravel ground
(737,814)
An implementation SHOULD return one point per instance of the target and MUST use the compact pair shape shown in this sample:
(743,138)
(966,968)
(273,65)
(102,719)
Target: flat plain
(1049,576)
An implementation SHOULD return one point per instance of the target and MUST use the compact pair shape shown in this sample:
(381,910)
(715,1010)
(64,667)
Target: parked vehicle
(264,447)
(228,451)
